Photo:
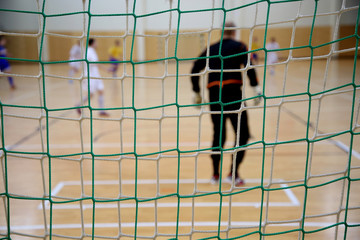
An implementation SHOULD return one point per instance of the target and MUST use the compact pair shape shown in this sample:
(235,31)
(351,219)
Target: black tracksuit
(230,92)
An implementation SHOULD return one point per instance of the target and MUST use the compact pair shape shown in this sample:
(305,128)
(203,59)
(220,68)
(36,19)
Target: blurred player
(230,91)
(75,54)
(115,53)
(96,84)
(272,57)
(4,63)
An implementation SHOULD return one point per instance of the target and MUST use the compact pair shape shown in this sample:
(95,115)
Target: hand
(257,92)
(197,99)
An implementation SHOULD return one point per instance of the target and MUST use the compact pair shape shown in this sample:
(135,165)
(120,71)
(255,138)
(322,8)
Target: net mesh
(158,203)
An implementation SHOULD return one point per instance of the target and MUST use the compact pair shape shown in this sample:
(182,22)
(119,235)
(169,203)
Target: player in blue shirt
(4,63)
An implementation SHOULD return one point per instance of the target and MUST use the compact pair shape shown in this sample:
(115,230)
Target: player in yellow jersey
(115,53)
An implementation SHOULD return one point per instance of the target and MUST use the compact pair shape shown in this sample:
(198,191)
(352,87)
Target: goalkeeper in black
(224,86)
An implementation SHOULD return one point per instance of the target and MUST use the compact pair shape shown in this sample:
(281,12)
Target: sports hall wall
(156,27)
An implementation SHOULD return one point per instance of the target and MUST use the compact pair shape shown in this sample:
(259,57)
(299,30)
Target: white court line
(294,202)
(290,195)
(170,224)
(346,148)
(57,188)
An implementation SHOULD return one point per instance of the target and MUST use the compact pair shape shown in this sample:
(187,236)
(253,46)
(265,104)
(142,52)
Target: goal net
(68,171)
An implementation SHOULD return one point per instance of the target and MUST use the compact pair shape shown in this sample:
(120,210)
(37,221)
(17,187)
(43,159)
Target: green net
(143,172)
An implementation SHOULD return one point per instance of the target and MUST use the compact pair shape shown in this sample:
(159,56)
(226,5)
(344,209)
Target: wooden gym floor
(68,139)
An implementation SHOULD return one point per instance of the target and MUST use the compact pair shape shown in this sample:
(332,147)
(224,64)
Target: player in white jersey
(272,57)
(96,84)
(75,54)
